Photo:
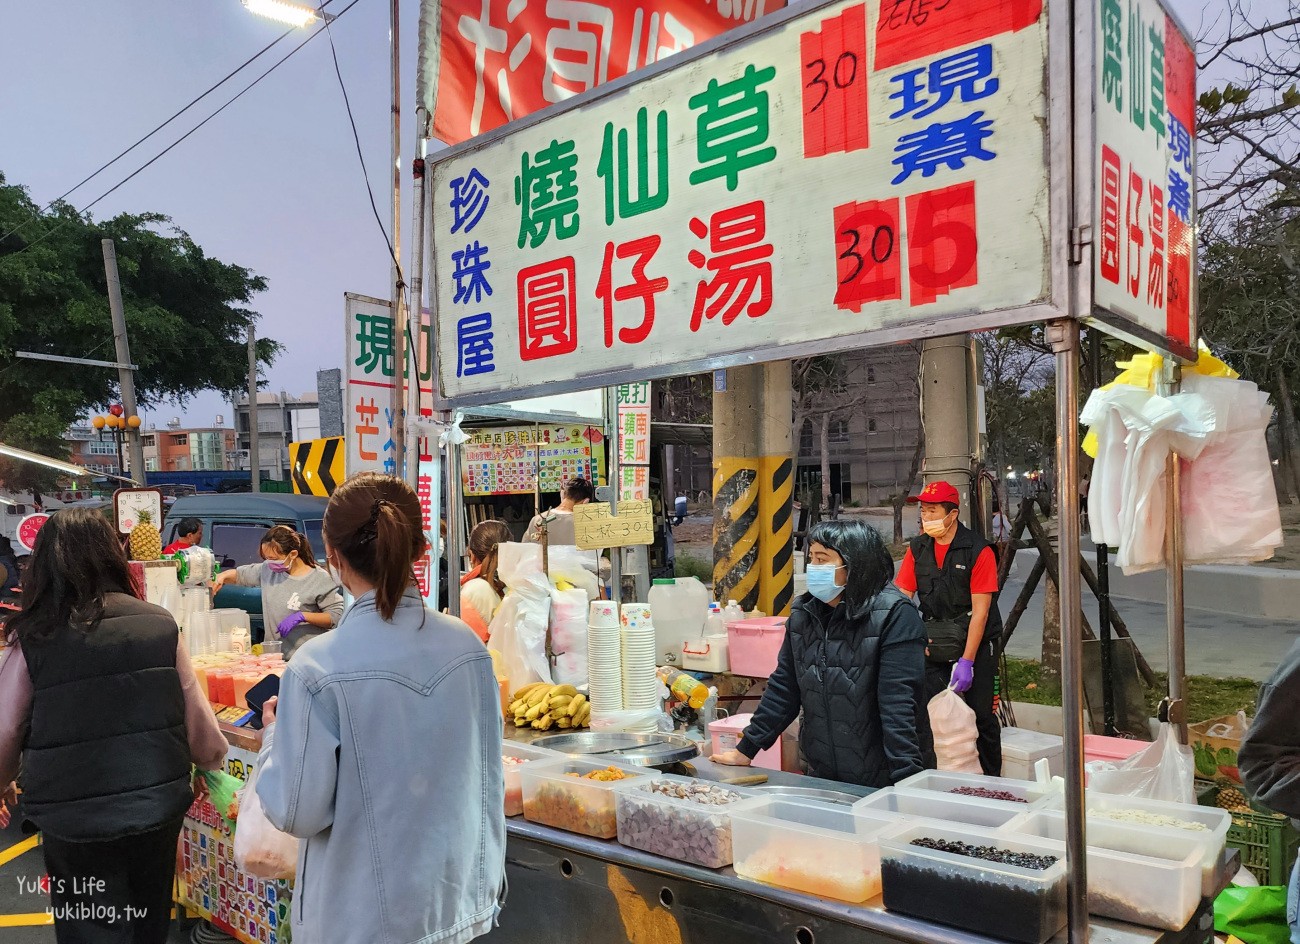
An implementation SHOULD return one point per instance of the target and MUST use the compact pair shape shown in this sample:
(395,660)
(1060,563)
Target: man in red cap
(952,573)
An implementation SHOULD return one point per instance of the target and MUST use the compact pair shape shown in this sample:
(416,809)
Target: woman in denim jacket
(383,750)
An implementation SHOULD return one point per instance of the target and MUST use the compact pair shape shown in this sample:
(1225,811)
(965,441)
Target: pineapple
(146,541)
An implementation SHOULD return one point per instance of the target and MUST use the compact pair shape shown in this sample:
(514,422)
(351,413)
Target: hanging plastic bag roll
(518,629)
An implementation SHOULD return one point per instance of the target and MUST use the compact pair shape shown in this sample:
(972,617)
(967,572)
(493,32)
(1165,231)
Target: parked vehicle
(233,526)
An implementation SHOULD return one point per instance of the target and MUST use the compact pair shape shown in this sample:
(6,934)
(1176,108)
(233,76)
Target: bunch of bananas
(544,706)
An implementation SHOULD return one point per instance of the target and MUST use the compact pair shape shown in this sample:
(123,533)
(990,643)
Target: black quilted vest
(107,754)
(944,592)
(838,662)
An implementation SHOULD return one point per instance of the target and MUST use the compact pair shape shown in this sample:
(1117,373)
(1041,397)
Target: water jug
(678,608)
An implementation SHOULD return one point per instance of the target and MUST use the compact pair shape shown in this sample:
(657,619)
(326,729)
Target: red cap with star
(937,493)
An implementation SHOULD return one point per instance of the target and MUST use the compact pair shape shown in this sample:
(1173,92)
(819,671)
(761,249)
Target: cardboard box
(1215,744)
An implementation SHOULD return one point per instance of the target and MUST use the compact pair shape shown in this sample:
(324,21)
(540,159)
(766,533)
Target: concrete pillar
(753,488)
(947,411)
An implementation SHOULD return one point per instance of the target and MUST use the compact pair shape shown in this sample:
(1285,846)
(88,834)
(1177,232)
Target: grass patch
(686,564)
(1206,697)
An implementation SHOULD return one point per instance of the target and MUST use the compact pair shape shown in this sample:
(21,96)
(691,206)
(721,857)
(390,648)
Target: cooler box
(1113,750)
(753,645)
(1022,749)
(726,734)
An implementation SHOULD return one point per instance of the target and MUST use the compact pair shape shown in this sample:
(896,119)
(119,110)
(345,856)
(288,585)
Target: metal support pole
(125,376)
(612,474)
(1177,702)
(1064,338)
(254,434)
(401,317)
(412,403)
(1103,581)
(455,527)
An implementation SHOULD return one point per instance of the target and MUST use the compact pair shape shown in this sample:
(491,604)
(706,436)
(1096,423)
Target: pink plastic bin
(754,644)
(1112,749)
(726,734)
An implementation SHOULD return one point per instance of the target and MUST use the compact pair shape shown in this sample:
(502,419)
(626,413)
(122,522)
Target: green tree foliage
(187,318)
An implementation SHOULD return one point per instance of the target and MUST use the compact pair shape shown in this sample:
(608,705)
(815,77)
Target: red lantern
(116,409)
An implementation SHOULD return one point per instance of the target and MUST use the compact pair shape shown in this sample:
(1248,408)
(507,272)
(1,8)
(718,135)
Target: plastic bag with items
(518,630)
(260,848)
(953,724)
(569,636)
(1163,771)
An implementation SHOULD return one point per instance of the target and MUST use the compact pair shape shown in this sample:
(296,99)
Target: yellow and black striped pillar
(753,488)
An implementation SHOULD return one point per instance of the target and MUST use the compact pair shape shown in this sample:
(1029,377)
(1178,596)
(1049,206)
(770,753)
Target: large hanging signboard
(832,176)
(1144,269)
(514,460)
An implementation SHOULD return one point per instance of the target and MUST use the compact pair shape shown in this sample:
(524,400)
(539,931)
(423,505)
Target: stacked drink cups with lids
(604,659)
(640,682)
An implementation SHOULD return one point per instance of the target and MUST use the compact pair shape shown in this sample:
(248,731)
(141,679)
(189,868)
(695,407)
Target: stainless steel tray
(641,750)
(807,793)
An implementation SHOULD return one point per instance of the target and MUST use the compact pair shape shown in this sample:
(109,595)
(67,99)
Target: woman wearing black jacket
(853,662)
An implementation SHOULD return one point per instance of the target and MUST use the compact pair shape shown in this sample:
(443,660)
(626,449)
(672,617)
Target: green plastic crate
(1268,841)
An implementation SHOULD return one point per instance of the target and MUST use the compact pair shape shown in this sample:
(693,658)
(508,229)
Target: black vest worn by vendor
(944,592)
(107,754)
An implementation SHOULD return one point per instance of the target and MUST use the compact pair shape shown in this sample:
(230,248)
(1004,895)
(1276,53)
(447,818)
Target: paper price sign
(596,528)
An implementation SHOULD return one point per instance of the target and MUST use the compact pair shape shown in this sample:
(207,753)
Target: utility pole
(254,460)
(401,317)
(125,373)
(947,400)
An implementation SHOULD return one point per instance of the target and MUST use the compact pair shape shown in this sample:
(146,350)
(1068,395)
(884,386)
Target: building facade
(187,450)
(281,419)
(94,451)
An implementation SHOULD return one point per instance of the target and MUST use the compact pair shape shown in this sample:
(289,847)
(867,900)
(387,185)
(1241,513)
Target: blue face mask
(821,582)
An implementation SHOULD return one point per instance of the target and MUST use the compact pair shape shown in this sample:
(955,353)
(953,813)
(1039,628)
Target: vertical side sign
(1145,208)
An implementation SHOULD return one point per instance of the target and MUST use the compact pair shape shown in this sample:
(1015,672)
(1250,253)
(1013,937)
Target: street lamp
(290,14)
(117,424)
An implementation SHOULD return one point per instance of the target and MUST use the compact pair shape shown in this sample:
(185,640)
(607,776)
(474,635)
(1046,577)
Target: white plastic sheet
(569,636)
(518,630)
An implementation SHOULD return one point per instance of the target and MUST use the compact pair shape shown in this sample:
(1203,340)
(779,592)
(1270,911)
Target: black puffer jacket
(859,681)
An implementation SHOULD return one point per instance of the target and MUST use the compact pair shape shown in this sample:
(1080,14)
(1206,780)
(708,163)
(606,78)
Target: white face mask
(335,575)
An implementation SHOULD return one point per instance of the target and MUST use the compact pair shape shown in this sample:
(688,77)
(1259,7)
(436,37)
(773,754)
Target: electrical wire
(238,95)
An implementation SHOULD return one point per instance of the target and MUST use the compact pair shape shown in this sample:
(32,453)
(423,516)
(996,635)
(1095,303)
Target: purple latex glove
(963,675)
(293,619)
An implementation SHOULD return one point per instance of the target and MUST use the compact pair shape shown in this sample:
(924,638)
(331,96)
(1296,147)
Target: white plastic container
(733,612)
(680,829)
(707,654)
(815,848)
(678,608)
(1159,888)
(553,797)
(923,804)
(514,780)
(1003,902)
(1022,749)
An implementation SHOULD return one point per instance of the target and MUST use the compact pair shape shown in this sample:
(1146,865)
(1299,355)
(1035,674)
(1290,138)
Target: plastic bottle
(684,687)
(733,612)
(716,623)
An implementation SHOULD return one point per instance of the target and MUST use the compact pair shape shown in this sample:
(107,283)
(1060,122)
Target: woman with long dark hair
(98,700)
(383,749)
(853,662)
(299,597)
(482,588)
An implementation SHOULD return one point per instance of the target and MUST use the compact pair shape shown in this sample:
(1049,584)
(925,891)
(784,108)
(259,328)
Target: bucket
(755,644)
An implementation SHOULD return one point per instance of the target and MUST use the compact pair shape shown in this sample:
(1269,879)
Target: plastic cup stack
(604,658)
(640,681)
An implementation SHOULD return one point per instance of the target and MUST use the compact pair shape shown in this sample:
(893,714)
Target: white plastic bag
(260,848)
(1163,771)
(518,631)
(569,636)
(952,722)
(578,567)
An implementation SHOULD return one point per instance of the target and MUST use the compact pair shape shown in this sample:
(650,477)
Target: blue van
(233,526)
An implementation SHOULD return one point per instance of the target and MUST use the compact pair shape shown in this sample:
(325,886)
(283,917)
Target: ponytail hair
(286,539)
(374,522)
(484,540)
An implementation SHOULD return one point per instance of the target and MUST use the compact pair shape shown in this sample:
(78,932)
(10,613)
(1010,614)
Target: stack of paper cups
(604,658)
(640,681)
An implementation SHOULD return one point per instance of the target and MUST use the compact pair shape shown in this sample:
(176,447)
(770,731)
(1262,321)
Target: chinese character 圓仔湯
(1156,270)
(469,270)
(368,410)
(615,165)
(390,447)
(548,309)
(967,75)
(469,200)
(474,345)
(1156,116)
(1133,226)
(546,191)
(1112,65)
(375,336)
(949,144)
(486,38)
(1111,182)
(732,127)
(740,264)
(1139,65)
(1180,196)
(577,47)
(1180,143)
(641,287)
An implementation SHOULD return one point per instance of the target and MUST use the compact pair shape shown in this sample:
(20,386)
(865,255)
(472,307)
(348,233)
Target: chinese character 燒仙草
(1139,66)
(732,128)
(619,173)
(546,191)
(641,287)
(739,262)
(548,309)
(1112,65)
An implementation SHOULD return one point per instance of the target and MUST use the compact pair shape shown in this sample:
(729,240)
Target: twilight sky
(272,183)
